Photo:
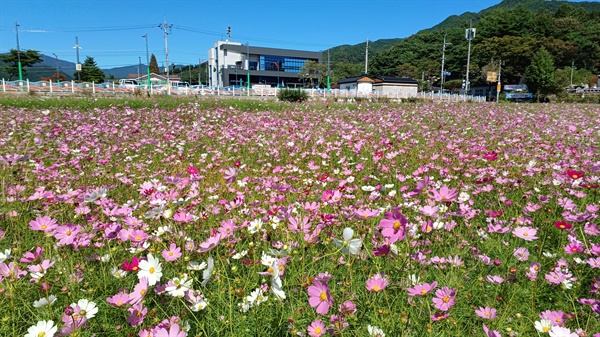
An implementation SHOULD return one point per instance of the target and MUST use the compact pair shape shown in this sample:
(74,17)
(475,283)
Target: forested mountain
(511,31)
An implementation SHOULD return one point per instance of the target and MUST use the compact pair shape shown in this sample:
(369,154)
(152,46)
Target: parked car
(129,83)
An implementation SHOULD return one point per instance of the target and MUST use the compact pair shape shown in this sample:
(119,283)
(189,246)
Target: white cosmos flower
(255,226)
(5,255)
(118,272)
(151,269)
(239,255)
(193,265)
(543,326)
(375,331)
(207,273)
(349,245)
(86,308)
(368,188)
(180,286)
(276,284)
(44,301)
(42,328)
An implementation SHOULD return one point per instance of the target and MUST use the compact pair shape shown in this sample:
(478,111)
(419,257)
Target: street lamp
(57,73)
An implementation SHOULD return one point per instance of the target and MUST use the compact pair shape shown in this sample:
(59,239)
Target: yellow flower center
(170,253)
(68,233)
(270,270)
(423,291)
(43,227)
(546,328)
(138,238)
(42,334)
(151,270)
(143,292)
(317,330)
(376,288)
(323,296)
(119,304)
(446,299)
(396,225)
(525,234)
(82,312)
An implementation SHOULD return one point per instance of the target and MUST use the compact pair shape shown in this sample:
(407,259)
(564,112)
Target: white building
(382,85)
(233,63)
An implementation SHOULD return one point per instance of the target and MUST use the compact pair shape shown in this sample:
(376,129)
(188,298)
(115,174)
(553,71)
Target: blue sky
(111,31)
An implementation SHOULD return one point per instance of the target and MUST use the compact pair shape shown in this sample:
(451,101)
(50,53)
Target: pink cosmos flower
(526,233)
(490,156)
(574,247)
(429,210)
(118,300)
(29,257)
(521,253)
(320,297)
(438,316)
(137,313)
(44,223)
(377,283)
(131,266)
(556,317)
(491,333)
(210,243)
(173,331)
(486,313)
(230,174)
(139,291)
(66,234)
(171,254)
(347,308)
(316,329)
(421,289)
(182,217)
(445,194)
(445,298)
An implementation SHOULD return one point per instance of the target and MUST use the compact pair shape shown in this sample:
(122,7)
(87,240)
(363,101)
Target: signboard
(499,87)
(519,96)
(492,76)
(78,67)
(515,87)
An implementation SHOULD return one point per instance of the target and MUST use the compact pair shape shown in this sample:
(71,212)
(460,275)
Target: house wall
(365,87)
(396,88)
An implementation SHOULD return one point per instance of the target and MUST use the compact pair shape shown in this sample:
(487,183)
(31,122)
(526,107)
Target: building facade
(230,63)
(380,84)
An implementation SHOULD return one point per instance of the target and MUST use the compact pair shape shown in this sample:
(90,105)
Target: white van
(129,83)
(180,85)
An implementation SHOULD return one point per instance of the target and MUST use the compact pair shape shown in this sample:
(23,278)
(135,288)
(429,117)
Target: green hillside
(511,31)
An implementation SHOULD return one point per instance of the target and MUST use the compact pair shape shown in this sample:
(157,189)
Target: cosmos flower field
(252,219)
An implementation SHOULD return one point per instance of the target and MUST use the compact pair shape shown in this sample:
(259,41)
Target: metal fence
(70,87)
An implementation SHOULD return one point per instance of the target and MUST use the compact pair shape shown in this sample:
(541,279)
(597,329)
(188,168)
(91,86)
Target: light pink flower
(171,254)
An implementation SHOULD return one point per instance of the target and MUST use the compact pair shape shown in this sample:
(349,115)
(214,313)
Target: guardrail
(70,87)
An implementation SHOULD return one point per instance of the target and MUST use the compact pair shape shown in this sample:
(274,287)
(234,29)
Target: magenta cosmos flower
(486,313)
(320,297)
(445,298)
(393,227)
(377,283)
(421,289)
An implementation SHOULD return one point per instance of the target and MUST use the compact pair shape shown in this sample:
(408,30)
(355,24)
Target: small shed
(359,84)
(395,85)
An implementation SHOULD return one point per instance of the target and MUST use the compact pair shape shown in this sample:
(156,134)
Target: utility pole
(367,57)
(199,71)
(328,72)
(147,64)
(572,68)
(19,53)
(166,27)
(78,65)
(469,35)
(139,65)
(443,59)
(57,73)
(248,61)
(499,86)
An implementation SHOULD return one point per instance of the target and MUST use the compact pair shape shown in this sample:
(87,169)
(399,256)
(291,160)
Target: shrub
(292,95)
